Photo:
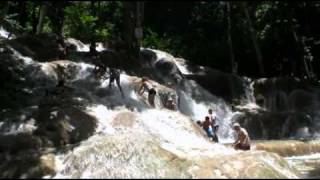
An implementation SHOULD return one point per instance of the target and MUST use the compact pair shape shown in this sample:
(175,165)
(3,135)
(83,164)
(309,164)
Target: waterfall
(4,33)
(195,101)
(81,47)
(132,139)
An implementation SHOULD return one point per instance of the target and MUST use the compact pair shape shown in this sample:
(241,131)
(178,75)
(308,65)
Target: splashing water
(27,60)
(81,47)
(4,33)
(195,101)
(129,133)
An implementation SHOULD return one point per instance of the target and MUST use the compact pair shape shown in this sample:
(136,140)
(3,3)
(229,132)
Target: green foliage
(197,31)
(82,24)
(169,43)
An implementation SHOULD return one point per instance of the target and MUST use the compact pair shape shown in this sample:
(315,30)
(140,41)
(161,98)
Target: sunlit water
(129,131)
(308,165)
(81,47)
(4,33)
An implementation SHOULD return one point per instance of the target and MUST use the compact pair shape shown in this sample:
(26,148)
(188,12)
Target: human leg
(209,134)
(118,84)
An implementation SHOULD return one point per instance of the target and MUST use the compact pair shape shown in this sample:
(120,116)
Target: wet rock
(125,119)
(64,125)
(262,165)
(274,125)
(227,86)
(27,165)
(288,148)
(19,142)
(303,101)
(42,47)
(287,94)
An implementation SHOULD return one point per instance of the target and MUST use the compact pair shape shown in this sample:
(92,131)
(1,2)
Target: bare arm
(241,138)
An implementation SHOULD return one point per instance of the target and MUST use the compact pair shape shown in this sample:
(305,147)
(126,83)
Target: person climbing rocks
(146,86)
(115,75)
(206,126)
(243,139)
(214,123)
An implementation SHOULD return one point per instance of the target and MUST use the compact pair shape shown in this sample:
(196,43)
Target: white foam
(27,60)
(4,33)
(81,47)
(304,157)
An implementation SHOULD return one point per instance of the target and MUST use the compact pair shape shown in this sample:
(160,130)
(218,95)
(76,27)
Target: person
(206,126)
(115,75)
(62,50)
(146,86)
(243,139)
(99,68)
(170,104)
(214,123)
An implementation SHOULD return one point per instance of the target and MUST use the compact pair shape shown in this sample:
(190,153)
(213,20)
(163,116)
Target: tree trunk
(56,16)
(132,19)
(93,41)
(299,44)
(34,18)
(254,40)
(22,14)
(232,61)
(43,11)
(4,10)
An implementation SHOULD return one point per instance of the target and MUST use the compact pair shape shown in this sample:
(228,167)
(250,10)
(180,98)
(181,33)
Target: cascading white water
(198,109)
(27,60)
(4,33)
(168,129)
(131,139)
(81,47)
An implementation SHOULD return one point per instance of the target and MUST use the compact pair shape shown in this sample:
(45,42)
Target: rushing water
(4,33)
(131,139)
(81,47)
(308,165)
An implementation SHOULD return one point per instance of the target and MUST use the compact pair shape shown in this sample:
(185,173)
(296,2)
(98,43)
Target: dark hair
(207,117)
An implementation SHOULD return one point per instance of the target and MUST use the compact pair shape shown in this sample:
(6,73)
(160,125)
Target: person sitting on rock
(206,126)
(146,86)
(115,75)
(243,139)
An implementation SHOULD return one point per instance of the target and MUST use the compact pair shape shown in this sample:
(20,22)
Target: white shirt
(214,118)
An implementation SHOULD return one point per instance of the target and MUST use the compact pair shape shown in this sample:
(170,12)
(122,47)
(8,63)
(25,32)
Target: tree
(42,14)
(132,21)
(92,40)
(4,10)
(23,16)
(232,61)
(254,39)
(56,16)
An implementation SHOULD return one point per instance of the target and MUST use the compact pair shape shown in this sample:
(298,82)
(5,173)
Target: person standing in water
(214,123)
(243,139)
(206,126)
(115,75)
(146,86)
